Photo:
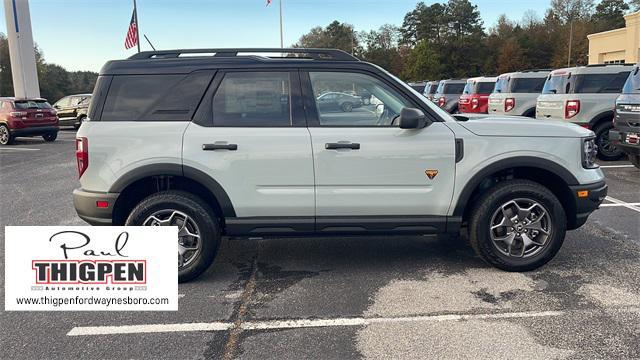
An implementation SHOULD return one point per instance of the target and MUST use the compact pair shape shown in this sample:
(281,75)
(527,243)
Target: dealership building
(617,46)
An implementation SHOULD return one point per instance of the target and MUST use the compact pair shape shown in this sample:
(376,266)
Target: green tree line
(55,81)
(448,39)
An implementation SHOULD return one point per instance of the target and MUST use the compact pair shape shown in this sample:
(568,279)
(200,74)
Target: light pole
(21,49)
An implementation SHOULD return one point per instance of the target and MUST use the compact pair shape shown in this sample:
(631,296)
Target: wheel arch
(546,172)
(602,117)
(146,180)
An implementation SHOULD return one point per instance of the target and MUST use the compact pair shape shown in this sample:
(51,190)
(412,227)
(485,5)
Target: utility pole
(570,41)
(135,11)
(281,32)
(21,49)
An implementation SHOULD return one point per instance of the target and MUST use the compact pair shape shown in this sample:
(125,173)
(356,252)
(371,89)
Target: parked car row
(583,95)
(36,117)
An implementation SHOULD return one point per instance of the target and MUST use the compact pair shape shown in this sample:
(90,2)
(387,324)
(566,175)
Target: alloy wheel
(520,228)
(189,242)
(4,135)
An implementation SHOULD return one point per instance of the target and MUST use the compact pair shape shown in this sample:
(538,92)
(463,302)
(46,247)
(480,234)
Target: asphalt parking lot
(374,297)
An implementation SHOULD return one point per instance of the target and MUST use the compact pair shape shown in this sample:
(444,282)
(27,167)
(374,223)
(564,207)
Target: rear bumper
(617,137)
(588,204)
(34,131)
(86,206)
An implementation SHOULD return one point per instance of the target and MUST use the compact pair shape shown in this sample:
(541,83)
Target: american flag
(268,2)
(132,35)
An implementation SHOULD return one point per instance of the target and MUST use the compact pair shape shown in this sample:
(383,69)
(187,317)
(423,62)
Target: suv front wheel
(198,231)
(518,225)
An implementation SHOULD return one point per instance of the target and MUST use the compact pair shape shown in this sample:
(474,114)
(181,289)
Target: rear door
(250,136)
(365,165)
(63,107)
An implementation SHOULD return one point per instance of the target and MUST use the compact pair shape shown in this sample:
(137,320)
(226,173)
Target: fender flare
(171,169)
(596,119)
(508,163)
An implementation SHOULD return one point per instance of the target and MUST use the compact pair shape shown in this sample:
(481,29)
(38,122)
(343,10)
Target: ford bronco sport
(626,123)
(516,93)
(475,96)
(585,96)
(448,93)
(233,143)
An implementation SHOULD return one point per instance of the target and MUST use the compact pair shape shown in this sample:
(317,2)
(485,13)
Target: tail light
(509,104)
(441,101)
(82,155)
(474,103)
(571,108)
(18,113)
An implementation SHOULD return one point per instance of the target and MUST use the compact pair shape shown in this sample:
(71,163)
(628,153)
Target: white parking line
(18,149)
(294,323)
(615,166)
(616,205)
(622,203)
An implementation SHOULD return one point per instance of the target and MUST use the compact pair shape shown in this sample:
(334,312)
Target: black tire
(492,200)
(5,135)
(347,107)
(201,213)
(635,160)
(80,120)
(50,137)
(606,150)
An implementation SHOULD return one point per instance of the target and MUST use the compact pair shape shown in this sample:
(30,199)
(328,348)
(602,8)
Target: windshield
(31,104)
(468,88)
(632,86)
(502,85)
(556,84)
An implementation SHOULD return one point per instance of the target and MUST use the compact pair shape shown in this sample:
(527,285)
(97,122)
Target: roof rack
(314,54)
(536,70)
(600,65)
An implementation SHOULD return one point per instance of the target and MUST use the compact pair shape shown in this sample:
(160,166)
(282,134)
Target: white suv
(236,144)
(585,95)
(516,93)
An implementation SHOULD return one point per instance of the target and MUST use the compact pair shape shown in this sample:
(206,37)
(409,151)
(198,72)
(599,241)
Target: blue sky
(84,34)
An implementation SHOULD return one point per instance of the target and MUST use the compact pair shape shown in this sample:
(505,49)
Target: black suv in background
(72,109)
(626,122)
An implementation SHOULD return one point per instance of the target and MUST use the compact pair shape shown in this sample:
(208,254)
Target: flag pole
(281,36)
(135,11)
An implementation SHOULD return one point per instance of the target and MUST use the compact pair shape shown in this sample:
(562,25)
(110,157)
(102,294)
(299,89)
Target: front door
(365,165)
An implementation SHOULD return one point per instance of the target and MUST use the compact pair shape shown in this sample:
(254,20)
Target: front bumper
(34,131)
(585,205)
(86,204)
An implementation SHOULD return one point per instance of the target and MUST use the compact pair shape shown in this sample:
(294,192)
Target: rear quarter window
(600,83)
(154,97)
(485,87)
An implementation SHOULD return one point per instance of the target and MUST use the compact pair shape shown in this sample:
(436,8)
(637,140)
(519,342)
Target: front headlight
(589,152)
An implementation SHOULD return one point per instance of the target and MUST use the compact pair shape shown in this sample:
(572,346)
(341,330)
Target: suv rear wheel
(606,150)
(518,225)
(50,137)
(198,231)
(5,135)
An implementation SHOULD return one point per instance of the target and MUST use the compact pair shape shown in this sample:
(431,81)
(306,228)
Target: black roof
(186,61)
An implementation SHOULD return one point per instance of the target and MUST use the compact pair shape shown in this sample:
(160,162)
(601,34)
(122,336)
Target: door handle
(209,147)
(342,145)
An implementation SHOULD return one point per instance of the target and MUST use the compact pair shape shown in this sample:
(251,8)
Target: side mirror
(411,118)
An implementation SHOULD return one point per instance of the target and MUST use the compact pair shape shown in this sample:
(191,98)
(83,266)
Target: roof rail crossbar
(315,54)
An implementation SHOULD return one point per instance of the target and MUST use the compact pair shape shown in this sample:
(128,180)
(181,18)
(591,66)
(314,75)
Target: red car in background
(475,96)
(27,117)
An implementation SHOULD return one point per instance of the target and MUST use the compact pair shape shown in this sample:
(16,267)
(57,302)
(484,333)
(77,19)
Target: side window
(64,102)
(154,97)
(358,100)
(253,99)
(74,101)
(601,83)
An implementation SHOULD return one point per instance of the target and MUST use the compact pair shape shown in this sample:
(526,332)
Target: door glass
(253,99)
(64,102)
(354,99)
